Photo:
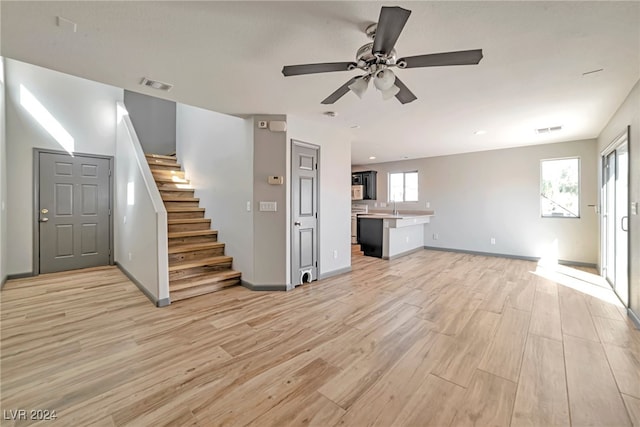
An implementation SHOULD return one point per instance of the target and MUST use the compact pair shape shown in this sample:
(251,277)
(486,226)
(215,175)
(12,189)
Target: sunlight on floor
(582,281)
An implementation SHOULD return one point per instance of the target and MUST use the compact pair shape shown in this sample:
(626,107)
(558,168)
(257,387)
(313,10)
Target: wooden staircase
(197,263)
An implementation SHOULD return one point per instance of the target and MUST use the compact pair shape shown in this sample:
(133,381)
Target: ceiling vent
(154,84)
(548,130)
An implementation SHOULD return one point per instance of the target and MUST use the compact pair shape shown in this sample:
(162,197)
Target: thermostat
(276,180)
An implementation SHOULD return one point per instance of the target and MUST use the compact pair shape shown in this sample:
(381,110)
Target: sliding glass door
(615,217)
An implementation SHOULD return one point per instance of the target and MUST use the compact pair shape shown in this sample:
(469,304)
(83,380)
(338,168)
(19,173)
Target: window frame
(579,159)
(404,186)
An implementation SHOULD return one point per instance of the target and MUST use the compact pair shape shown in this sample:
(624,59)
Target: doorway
(304,212)
(72,228)
(615,216)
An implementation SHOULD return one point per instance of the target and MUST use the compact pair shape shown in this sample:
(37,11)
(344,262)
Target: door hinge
(109,212)
(109,252)
(316,264)
(316,215)
(109,172)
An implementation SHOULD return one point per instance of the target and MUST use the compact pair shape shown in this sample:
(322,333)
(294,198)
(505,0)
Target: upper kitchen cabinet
(368,180)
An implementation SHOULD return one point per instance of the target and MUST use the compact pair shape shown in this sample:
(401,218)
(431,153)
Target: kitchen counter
(389,236)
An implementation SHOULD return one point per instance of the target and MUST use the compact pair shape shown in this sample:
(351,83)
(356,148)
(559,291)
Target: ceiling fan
(378,57)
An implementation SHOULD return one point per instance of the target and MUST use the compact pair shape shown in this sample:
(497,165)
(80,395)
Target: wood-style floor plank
(431,338)
(488,401)
(541,398)
(593,395)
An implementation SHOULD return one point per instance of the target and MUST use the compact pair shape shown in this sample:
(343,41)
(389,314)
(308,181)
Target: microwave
(357,192)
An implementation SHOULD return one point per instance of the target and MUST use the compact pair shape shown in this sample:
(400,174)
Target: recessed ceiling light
(480,132)
(154,84)
(355,127)
(372,157)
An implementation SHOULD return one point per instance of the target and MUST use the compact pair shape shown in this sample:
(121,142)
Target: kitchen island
(389,236)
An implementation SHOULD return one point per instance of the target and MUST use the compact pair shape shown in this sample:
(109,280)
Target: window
(560,188)
(403,187)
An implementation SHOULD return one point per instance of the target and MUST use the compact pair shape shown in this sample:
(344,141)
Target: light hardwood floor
(433,338)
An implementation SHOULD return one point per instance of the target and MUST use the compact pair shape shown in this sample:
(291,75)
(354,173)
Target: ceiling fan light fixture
(390,93)
(384,80)
(359,87)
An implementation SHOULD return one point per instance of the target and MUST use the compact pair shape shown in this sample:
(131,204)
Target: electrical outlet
(130,257)
(428,205)
(248,206)
(634,208)
(335,254)
(124,219)
(493,240)
(435,236)
(407,239)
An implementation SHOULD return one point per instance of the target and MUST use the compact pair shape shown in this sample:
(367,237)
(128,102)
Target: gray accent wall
(629,115)
(216,151)
(270,229)
(3,180)
(477,196)
(154,120)
(85,109)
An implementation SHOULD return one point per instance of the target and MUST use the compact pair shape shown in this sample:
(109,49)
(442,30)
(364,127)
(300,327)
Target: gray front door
(304,209)
(74,207)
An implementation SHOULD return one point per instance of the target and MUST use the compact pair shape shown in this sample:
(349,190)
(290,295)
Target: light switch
(268,206)
(634,208)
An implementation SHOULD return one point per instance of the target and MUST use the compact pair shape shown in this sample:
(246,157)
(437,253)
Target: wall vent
(549,129)
(154,84)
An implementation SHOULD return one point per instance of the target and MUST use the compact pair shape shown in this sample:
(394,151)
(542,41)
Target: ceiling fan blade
(326,67)
(462,57)
(405,96)
(340,92)
(390,25)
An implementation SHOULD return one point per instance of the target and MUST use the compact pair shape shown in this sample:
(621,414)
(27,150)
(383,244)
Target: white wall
(335,190)
(85,109)
(140,219)
(216,151)
(481,195)
(629,115)
(3,179)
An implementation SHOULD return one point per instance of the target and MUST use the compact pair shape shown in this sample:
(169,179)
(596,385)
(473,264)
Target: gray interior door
(74,208)
(304,208)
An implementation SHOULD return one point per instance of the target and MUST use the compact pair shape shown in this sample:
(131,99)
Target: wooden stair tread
(221,259)
(178,234)
(205,279)
(185,209)
(175,189)
(179,199)
(159,156)
(176,249)
(170,179)
(187,221)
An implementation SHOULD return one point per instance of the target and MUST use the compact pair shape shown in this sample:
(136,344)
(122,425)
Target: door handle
(297,223)
(622,223)
(44,219)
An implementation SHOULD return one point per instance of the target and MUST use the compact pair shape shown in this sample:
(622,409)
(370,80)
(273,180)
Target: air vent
(156,84)
(549,129)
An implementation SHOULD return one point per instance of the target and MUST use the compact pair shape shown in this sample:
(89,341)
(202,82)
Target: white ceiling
(228,56)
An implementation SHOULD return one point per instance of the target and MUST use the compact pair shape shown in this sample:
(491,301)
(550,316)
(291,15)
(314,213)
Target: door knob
(45,211)
(44,219)
(297,223)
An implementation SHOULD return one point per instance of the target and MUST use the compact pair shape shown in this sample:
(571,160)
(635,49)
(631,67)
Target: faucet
(395,209)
